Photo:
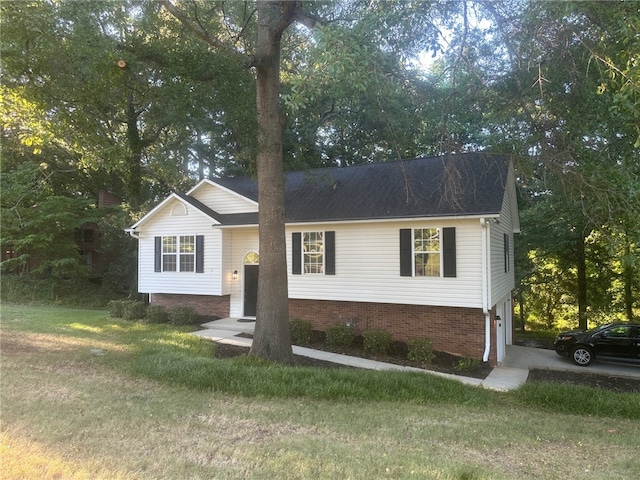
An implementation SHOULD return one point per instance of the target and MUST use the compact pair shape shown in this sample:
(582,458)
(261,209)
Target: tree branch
(201,32)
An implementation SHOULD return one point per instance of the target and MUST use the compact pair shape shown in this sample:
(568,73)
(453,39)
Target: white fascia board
(217,185)
(376,220)
(158,207)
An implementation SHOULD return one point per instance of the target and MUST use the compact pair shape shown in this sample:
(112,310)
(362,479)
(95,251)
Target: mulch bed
(444,362)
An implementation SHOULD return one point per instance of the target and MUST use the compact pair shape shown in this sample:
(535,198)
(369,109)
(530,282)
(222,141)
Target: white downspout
(485,289)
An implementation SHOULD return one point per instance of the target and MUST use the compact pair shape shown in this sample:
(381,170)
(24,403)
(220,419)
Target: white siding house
(379,245)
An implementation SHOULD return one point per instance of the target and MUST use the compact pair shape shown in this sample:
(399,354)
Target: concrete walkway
(510,374)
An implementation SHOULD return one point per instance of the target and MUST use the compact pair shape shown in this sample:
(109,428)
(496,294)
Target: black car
(616,341)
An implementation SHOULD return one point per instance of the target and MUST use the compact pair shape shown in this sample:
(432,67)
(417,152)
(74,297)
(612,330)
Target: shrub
(300,331)
(134,310)
(467,364)
(376,341)
(421,351)
(183,315)
(340,335)
(157,314)
(116,308)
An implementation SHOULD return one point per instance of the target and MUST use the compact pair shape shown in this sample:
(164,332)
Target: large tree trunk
(134,177)
(628,276)
(582,283)
(272,338)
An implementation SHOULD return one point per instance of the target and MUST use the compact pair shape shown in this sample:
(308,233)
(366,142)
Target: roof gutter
(486,286)
(132,232)
(487,216)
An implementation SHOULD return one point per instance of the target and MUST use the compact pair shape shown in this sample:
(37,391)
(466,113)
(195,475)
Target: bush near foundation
(116,308)
(340,335)
(377,341)
(183,315)
(300,331)
(157,314)
(420,350)
(134,310)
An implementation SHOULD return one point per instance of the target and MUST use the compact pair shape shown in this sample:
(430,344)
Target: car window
(620,331)
(596,329)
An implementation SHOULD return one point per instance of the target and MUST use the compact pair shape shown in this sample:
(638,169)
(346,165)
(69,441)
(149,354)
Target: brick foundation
(205,305)
(455,330)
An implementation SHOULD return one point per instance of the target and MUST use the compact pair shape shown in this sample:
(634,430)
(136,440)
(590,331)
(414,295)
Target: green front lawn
(86,396)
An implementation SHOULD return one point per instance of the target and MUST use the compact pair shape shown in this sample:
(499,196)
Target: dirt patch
(595,380)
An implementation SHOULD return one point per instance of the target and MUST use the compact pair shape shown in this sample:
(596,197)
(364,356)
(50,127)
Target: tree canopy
(142,98)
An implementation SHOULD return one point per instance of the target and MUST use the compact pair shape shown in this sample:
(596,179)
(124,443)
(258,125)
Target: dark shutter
(506,252)
(157,266)
(330,253)
(449,251)
(406,251)
(296,251)
(199,253)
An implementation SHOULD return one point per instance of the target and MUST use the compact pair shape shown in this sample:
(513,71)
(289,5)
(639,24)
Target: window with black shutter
(313,253)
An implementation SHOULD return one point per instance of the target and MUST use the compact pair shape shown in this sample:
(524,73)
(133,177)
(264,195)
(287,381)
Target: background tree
(120,95)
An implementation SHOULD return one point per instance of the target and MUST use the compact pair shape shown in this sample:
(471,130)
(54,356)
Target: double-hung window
(426,248)
(187,253)
(169,254)
(313,253)
(179,253)
(428,252)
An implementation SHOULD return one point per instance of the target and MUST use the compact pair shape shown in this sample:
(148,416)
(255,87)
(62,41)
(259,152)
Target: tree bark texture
(582,283)
(272,338)
(628,276)
(134,173)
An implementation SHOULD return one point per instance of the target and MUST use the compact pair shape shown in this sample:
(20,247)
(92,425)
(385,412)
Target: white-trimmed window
(426,252)
(313,252)
(187,253)
(169,254)
(179,253)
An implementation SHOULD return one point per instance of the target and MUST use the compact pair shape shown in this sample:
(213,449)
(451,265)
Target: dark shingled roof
(454,185)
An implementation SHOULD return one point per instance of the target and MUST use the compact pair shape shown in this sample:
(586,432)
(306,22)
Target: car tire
(582,356)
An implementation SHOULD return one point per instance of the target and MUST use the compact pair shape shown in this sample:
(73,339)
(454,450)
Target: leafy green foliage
(467,365)
(376,341)
(340,335)
(39,226)
(157,314)
(119,250)
(420,350)
(300,331)
(183,315)
(72,291)
(134,310)
(116,308)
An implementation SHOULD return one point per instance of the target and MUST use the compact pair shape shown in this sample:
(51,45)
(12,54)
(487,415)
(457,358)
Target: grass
(85,396)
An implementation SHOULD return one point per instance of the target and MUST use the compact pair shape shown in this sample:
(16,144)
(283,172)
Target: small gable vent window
(178,210)
(182,253)
(313,253)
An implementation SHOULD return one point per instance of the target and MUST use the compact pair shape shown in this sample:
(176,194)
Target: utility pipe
(486,282)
